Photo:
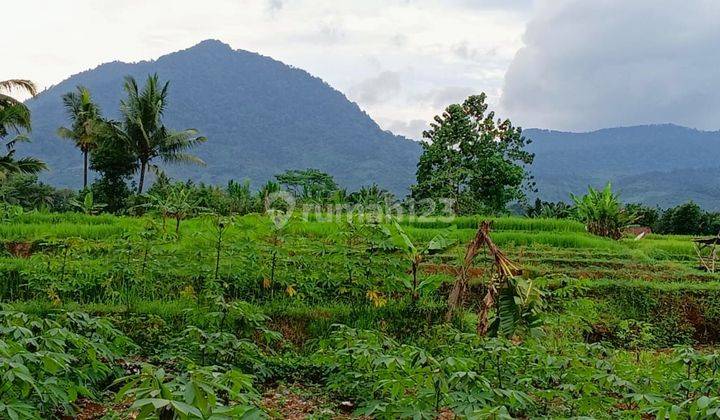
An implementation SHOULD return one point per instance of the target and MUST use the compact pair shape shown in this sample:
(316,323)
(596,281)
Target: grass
(107,262)
(154,285)
(60,230)
(498,223)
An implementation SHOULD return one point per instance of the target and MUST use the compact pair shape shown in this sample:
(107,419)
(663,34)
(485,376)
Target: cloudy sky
(562,64)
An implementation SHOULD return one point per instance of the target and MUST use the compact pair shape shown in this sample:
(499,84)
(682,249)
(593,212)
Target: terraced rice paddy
(637,300)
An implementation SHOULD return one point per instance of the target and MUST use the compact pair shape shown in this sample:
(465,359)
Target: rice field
(326,289)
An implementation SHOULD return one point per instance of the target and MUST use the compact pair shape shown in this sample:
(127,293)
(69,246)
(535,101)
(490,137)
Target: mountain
(661,165)
(260,116)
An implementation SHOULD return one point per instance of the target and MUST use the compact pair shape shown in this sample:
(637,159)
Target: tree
(645,215)
(15,117)
(115,161)
(8,86)
(308,184)
(372,196)
(473,159)
(685,219)
(241,198)
(25,190)
(86,119)
(143,130)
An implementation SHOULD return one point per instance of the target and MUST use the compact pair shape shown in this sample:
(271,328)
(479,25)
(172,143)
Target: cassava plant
(220,225)
(199,392)
(274,242)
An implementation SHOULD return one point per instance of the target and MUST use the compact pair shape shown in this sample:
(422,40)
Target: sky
(561,64)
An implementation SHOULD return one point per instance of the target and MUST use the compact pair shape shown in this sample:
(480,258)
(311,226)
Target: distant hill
(261,117)
(661,165)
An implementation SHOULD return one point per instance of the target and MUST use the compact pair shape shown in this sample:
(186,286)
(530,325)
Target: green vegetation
(15,118)
(144,133)
(472,159)
(602,212)
(247,306)
(86,124)
(216,318)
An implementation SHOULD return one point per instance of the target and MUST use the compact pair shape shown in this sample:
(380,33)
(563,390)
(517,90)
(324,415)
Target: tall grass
(37,217)
(523,238)
(60,230)
(499,223)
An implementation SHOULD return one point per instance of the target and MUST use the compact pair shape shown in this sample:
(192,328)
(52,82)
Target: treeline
(309,186)
(472,161)
(684,219)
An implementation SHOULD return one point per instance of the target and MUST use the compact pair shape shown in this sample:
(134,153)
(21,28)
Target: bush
(688,219)
(645,215)
(26,191)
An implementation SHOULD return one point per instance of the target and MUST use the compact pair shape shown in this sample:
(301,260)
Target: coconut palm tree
(15,117)
(8,86)
(86,124)
(144,131)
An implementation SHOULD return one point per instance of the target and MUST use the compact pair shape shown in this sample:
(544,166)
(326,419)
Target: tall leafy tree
(15,117)
(142,127)
(309,185)
(86,121)
(114,159)
(472,158)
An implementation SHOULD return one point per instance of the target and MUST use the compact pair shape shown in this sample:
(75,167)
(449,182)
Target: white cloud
(411,129)
(343,42)
(442,97)
(588,65)
(376,89)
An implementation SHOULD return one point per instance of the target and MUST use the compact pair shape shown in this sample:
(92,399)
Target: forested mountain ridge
(655,164)
(260,116)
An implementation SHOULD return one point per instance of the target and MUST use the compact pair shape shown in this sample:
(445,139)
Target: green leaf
(186,409)
(440,243)
(156,403)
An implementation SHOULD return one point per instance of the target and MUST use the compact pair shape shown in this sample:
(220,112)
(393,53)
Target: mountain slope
(656,164)
(260,116)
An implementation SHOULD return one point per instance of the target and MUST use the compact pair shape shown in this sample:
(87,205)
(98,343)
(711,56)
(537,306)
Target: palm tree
(86,121)
(144,131)
(15,84)
(15,116)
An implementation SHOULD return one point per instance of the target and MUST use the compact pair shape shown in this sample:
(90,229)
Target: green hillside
(261,117)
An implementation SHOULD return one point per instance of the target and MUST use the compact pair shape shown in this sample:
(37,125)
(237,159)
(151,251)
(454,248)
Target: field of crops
(119,317)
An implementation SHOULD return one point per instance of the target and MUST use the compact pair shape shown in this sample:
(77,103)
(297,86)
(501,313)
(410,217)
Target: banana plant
(178,203)
(517,301)
(415,255)
(88,205)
